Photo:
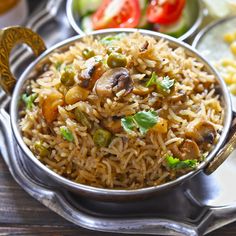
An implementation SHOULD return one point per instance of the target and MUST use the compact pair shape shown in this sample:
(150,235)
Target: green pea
(41,150)
(67,78)
(102,137)
(116,60)
(113,49)
(82,117)
(87,53)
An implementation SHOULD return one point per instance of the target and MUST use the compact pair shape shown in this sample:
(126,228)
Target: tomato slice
(117,14)
(165,13)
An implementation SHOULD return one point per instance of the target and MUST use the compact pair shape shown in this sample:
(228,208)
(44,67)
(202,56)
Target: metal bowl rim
(187,34)
(103,191)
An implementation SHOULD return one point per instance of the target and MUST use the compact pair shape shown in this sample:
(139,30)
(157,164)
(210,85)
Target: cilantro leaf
(128,124)
(143,120)
(152,80)
(163,85)
(29,100)
(176,163)
(58,65)
(66,133)
(166,84)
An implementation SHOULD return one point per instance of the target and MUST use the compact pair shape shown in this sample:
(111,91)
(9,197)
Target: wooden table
(20,214)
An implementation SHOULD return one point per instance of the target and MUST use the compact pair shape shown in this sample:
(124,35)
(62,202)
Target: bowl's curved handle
(10,37)
(229,147)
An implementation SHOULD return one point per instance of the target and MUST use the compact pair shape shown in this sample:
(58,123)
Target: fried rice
(138,124)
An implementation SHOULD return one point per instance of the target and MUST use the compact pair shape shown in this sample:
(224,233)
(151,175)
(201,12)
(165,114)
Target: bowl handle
(224,152)
(9,37)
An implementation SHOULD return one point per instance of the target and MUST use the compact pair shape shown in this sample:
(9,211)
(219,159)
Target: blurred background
(14,12)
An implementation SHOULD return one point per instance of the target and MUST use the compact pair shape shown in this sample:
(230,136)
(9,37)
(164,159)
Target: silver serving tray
(196,207)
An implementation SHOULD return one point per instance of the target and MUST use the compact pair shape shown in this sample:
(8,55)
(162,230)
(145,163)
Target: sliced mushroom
(113,124)
(203,132)
(175,150)
(113,81)
(144,47)
(188,149)
(218,90)
(91,73)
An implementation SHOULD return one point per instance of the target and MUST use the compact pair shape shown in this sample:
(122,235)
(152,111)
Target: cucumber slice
(143,4)
(83,7)
(143,23)
(86,24)
(177,29)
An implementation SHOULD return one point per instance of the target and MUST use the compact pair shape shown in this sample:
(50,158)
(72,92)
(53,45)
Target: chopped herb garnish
(143,120)
(111,38)
(164,85)
(29,100)
(58,66)
(152,80)
(128,124)
(66,133)
(176,163)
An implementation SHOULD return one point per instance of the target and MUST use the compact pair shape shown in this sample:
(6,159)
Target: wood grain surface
(20,214)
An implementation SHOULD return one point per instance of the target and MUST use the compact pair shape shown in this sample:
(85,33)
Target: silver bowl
(195,7)
(10,36)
